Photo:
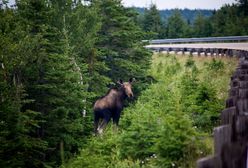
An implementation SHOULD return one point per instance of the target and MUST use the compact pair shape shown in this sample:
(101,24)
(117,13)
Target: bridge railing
(231,138)
(207,51)
(198,40)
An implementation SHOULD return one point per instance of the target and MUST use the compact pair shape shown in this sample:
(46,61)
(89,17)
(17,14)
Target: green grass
(170,125)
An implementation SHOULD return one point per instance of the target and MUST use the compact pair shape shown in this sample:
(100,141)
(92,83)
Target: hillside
(188,14)
(229,20)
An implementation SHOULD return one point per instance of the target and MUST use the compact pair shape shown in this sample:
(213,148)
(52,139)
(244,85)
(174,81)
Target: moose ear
(120,82)
(131,80)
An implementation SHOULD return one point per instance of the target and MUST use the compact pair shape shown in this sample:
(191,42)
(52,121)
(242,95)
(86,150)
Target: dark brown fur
(111,105)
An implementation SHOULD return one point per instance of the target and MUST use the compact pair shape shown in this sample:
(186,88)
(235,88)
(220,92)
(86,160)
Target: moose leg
(104,123)
(96,122)
(116,118)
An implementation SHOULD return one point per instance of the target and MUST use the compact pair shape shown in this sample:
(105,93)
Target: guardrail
(205,51)
(198,40)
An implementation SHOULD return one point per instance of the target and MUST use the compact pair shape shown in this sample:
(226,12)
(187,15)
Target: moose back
(111,105)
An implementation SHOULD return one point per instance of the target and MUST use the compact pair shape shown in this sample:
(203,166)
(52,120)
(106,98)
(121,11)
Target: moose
(111,105)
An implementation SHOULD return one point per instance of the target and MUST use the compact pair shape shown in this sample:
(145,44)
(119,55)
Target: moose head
(127,87)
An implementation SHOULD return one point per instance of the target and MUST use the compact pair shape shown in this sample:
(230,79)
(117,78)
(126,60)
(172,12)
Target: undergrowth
(170,125)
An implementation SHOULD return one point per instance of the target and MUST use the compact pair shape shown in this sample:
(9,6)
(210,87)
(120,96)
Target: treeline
(230,20)
(188,14)
(56,57)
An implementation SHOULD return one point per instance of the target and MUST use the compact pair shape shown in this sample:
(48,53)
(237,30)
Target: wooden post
(212,52)
(222,52)
(227,115)
(222,135)
(209,162)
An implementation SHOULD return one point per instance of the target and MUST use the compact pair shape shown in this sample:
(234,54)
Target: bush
(215,65)
(161,129)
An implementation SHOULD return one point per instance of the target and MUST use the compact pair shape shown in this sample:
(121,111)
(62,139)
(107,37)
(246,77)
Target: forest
(188,14)
(58,57)
(229,20)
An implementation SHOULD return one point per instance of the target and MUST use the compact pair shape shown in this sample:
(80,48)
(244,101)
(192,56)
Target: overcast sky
(168,4)
(171,4)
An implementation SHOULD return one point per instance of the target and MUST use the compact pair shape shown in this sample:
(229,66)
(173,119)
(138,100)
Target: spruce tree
(20,147)
(225,21)
(120,43)
(176,25)
(152,22)
(52,81)
(202,26)
(243,5)
(84,26)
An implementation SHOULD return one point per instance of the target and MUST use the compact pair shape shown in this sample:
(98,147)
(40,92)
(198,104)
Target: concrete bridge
(223,49)
(231,137)
(229,46)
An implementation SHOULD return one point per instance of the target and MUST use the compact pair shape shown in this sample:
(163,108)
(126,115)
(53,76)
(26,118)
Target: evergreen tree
(52,81)
(152,22)
(83,27)
(229,21)
(120,43)
(57,57)
(20,147)
(243,5)
(176,26)
(202,26)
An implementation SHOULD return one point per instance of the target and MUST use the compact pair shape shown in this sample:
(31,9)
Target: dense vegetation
(187,14)
(170,124)
(57,57)
(230,20)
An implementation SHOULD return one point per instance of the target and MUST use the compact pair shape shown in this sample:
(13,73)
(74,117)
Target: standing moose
(111,105)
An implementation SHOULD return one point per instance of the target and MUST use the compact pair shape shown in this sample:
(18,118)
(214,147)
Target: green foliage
(188,14)
(200,98)
(17,124)
(169,124)
(190,62)
(177,139)
(53,64)
(208,107)
(215,65)
(97,154)
(202,26)
(56,57)
(120,43)
(176,26)
(83,25)
(152,23)
(230,20)
(243,5)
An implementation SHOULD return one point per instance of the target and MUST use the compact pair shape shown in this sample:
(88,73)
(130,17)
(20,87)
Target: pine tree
(176,25)
(229,21)
(52,80)
(152,22)
(202,26)
(120,43)
(57,57)
(84,26)
(243,5)
(20,147)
